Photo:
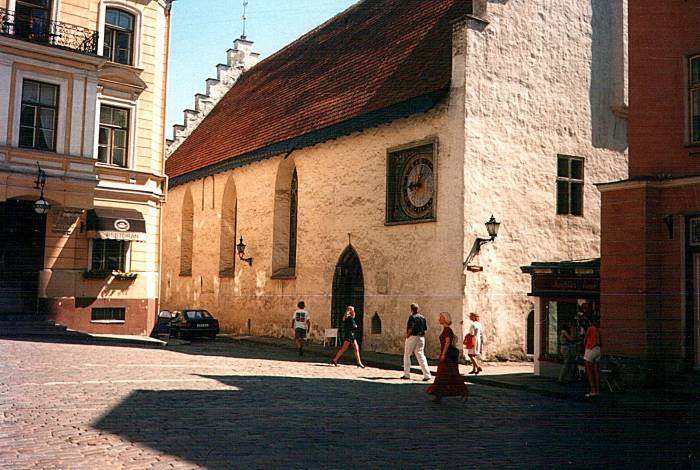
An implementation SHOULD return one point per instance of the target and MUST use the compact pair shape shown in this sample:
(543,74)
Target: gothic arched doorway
(348,289)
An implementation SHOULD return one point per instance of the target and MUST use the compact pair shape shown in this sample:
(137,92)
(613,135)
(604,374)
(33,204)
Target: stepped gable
(375,55)
(238,59)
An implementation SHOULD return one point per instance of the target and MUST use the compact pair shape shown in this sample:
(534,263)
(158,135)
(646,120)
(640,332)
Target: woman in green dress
(349,330)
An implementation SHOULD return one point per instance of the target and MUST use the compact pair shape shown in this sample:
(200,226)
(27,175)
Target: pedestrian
(473,342)
(349,331)
(593,342)
(301,322)
(567,353)
(415,344)
(448,381)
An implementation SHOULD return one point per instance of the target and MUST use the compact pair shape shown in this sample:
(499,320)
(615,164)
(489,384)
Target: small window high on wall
(569,185)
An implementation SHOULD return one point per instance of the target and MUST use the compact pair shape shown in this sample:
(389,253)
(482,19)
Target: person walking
(349,331)
(301,322)
(591,356)
(415,344)
(473,342)
(448,381)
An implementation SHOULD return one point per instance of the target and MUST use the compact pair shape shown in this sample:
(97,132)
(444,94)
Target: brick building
(360,163)
(82,114)
(650,250)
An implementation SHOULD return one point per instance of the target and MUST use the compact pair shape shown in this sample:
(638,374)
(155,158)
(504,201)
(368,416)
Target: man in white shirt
(301,323)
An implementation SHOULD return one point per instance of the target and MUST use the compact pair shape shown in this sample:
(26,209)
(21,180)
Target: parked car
(193,322)
(162,327)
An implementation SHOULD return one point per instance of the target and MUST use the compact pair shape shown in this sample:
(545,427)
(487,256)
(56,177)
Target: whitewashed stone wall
(341,191)
(536,81)
(543,78)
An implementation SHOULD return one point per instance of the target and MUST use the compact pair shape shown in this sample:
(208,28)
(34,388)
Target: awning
(116,224)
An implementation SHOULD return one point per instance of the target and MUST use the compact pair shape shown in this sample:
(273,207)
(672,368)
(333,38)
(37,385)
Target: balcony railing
(53,33)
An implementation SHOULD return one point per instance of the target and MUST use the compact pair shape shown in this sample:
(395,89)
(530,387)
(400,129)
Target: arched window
(376,324)
(227,238)
(187,235)
(284,237)
(293,206)
(119,36)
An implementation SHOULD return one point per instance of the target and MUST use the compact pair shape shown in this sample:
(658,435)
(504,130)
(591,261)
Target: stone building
(359,164)
(650,244)
(82,111)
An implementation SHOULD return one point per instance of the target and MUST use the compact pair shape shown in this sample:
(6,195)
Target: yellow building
(82,111)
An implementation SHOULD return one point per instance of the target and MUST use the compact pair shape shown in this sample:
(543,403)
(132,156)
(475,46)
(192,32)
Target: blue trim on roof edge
(419,104)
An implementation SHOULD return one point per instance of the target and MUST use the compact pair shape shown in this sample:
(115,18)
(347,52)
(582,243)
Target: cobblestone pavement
(230,405)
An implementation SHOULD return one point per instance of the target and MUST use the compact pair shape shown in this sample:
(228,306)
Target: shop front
(567,294)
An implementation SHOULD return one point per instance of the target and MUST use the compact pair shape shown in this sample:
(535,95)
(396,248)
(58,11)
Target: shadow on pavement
(287,422)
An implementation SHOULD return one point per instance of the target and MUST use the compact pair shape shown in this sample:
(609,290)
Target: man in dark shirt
(415,344)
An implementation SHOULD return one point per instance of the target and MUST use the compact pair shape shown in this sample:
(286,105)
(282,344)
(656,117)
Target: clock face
(417,186)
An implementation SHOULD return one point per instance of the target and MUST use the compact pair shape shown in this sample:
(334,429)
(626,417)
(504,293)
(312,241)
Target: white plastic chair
(328,334)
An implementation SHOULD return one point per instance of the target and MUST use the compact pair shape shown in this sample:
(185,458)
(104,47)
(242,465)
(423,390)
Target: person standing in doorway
(415,344)
(301,322)
(349,338)
(473,341)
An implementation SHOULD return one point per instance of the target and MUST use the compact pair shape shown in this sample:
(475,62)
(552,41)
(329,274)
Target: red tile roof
(377,55)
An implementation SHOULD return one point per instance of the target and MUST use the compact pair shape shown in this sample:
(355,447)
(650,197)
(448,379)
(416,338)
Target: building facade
(82,97)
(373,192)
(650,268)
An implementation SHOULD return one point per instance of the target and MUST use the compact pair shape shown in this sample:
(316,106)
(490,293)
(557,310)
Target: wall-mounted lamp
(241,251)
(668,220)
(492,226)
(41,206)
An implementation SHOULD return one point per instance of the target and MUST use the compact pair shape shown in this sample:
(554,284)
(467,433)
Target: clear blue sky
(203,30)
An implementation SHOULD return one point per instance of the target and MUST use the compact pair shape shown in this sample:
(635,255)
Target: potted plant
(124,275)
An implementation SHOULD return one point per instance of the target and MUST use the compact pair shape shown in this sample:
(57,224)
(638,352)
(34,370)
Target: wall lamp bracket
(240,248)
(492,226)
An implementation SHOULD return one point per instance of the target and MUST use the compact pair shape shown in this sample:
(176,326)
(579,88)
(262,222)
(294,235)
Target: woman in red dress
(448,381)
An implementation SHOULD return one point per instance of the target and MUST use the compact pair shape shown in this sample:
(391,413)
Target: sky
(203,30)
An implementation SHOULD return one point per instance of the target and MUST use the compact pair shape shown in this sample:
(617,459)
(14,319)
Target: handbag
(452,354)
(470,341)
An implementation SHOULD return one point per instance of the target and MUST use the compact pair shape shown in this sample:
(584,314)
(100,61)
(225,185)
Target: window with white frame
(37,127)
(109,255)
(113,141)
(119,36)
(694,88)
(569,185)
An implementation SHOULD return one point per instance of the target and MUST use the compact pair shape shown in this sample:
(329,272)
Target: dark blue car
(193,322)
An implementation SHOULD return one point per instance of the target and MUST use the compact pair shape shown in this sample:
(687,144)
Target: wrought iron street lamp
(492,226)
(241,252)
(41,206)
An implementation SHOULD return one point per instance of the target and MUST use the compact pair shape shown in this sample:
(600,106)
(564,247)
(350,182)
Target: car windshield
(197,315)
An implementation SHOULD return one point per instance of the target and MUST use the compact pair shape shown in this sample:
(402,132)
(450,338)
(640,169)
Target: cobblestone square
(230,404)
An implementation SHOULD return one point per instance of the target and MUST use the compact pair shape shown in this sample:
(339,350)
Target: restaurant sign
(565,284)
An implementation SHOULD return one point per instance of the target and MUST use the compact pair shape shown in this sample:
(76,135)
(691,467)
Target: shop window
(113,141)
(694,88)
(108,255)
(569,185)
(119,36)
(557,315)
(38,116)
(108,314)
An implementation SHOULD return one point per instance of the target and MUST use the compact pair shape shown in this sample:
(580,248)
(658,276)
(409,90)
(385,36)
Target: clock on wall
(411,184)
